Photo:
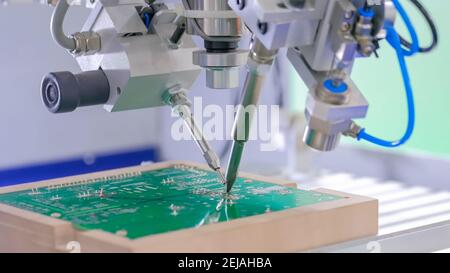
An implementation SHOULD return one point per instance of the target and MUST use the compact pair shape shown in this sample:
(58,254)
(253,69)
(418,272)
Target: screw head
(240,4)
(348,14)
(367,50)
(345,27)
(263,27)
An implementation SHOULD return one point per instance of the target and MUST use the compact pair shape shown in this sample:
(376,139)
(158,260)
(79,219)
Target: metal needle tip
(222,177)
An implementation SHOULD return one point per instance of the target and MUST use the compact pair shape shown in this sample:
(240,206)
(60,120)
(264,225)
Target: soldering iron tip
(228,188)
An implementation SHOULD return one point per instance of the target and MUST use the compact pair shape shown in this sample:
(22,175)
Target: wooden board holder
(297,229)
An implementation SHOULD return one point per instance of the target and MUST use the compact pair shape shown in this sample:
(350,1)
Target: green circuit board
(139,204)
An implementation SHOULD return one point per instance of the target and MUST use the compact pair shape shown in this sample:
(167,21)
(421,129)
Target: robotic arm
(133,54)
(324,38)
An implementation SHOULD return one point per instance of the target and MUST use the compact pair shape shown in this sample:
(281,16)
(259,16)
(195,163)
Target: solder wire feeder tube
(86,42)
(394,40)
(56,26)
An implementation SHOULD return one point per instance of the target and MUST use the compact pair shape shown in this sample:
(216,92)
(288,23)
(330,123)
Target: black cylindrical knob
(63,92)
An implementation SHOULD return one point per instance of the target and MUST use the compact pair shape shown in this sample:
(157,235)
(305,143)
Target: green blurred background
(380,80)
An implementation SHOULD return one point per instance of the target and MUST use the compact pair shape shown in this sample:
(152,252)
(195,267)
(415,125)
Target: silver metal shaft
(181,106)
(260,61)
(208,153)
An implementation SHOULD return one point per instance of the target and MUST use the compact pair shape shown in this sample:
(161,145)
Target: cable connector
(353,131)
(86,43)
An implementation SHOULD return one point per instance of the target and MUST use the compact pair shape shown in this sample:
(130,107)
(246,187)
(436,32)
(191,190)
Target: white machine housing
(139,64)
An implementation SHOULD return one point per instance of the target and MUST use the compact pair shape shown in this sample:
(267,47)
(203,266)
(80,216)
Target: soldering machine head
(136,64)
(221,29)
(330,109)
